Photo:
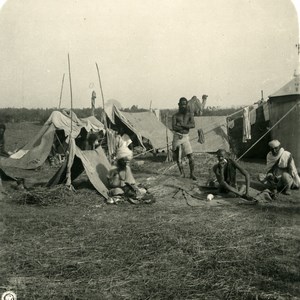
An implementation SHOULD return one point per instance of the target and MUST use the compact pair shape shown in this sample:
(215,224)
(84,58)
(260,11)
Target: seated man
(225,171)
(282,173)
(2,141)
(120,178)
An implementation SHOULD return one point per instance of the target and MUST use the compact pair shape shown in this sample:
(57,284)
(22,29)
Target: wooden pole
(61,90)
(169,158)
(71,94)
(99,78)
(69,163)
(104,114)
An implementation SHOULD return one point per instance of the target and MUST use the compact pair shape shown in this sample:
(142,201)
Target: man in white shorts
(182,121)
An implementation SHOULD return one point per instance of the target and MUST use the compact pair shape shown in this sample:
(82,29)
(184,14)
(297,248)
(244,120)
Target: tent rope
(291,109)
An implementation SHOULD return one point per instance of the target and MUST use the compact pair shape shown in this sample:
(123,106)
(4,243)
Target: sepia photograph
(150,150)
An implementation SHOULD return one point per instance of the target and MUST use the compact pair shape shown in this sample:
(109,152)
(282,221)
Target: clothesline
(268,131)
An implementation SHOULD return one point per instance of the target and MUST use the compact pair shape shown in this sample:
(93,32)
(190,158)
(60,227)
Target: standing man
(182,121)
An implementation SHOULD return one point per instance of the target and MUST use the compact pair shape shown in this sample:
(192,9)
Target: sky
(149,52)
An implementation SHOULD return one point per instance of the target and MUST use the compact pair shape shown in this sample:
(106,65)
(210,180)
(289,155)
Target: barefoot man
(182,121)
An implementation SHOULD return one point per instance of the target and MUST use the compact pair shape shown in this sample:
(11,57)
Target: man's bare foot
(182,175)
(192,176)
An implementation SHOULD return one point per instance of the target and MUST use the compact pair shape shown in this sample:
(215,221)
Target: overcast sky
(147,50)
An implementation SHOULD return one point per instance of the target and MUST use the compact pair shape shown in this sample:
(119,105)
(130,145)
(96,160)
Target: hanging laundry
(230,124)
(266,111)
(253,114)
(246,125)
(157,113)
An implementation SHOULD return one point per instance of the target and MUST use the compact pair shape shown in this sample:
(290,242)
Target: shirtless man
(182,121)
(225,171)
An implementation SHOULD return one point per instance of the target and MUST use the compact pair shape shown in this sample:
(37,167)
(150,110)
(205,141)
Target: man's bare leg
(192,166)
(179,162)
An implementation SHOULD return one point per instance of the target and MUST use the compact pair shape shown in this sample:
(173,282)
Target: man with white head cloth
(282,173)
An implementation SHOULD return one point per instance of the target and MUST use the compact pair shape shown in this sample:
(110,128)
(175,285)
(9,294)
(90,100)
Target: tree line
(40,115)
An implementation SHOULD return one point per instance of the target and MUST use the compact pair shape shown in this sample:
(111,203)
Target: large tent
(145,126)
(35,152)
(93,162)
(285,110)
(256,146)
(215,134)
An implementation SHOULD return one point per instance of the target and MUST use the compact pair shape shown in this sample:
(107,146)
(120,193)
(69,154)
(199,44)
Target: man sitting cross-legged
(225,171)
(282,175)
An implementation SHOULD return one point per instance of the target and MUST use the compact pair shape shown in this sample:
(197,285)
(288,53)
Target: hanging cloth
(246,125)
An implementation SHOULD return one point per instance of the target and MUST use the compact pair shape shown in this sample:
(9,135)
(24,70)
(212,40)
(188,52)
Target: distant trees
(40,115)
(134,108)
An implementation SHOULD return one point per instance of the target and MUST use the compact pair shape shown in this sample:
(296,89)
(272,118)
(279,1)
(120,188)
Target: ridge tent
(145,126)
(93,162)
(35,152)
(215,134)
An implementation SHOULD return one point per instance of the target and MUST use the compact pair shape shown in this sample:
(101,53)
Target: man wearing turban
(282,173)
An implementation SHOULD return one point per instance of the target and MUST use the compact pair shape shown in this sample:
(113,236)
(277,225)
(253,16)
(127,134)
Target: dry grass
(56,244)
(80,248)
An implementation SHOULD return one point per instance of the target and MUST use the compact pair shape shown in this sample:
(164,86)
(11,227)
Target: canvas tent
(145,126)
(215,134)
(93,162)
(286,103)
(259,123)
(35,152)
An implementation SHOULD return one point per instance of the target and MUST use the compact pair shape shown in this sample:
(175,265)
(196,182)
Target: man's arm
(176,126)
(219,171)
(190,122)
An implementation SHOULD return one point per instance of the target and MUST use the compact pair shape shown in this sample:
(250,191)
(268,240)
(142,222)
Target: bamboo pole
(69,163)
(104,114)
(71,94)
(169,156)
(99,78)
(61,90)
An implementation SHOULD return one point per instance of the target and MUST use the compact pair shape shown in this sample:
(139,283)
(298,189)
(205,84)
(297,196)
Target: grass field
(74,246)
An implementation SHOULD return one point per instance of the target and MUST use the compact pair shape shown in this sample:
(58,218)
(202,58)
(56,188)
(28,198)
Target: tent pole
(71,94)
(69,163)
(99,78)
(169,158)
(61,90)
(104,114)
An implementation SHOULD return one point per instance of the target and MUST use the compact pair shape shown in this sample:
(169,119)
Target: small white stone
(210,197)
